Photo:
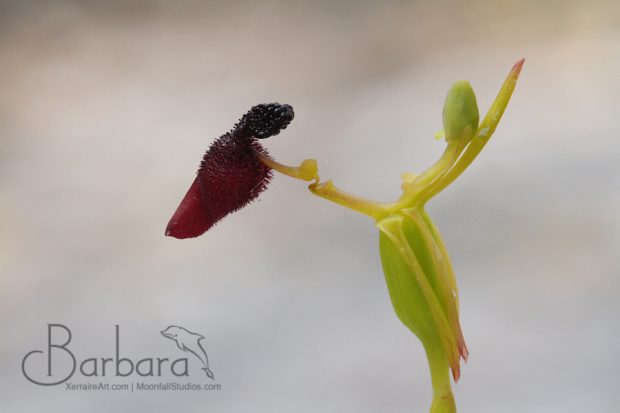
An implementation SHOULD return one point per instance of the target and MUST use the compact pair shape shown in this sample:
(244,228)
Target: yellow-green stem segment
(415,261)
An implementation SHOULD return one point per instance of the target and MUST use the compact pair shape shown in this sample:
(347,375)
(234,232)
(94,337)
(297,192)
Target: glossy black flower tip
(264,120)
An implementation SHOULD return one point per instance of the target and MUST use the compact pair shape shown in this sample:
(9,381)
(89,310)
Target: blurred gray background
(107,107)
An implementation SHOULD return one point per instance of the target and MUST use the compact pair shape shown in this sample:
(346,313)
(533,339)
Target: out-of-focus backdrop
(107,107)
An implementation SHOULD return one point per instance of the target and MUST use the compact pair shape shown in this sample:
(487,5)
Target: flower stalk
(415,260)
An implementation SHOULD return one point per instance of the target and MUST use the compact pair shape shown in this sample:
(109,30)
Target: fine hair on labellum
(231,174)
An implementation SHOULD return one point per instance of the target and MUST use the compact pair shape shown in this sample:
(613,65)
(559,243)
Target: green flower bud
(460,112)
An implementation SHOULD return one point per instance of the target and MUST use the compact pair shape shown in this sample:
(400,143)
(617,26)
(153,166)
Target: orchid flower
(415,260)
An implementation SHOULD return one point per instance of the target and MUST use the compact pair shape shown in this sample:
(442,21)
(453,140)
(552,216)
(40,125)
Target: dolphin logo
(189,342)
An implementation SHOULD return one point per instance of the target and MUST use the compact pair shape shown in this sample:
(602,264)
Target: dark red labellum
(230,175)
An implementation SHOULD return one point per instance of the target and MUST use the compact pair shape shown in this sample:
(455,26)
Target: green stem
(443,400)
(332,193)
(413,190)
